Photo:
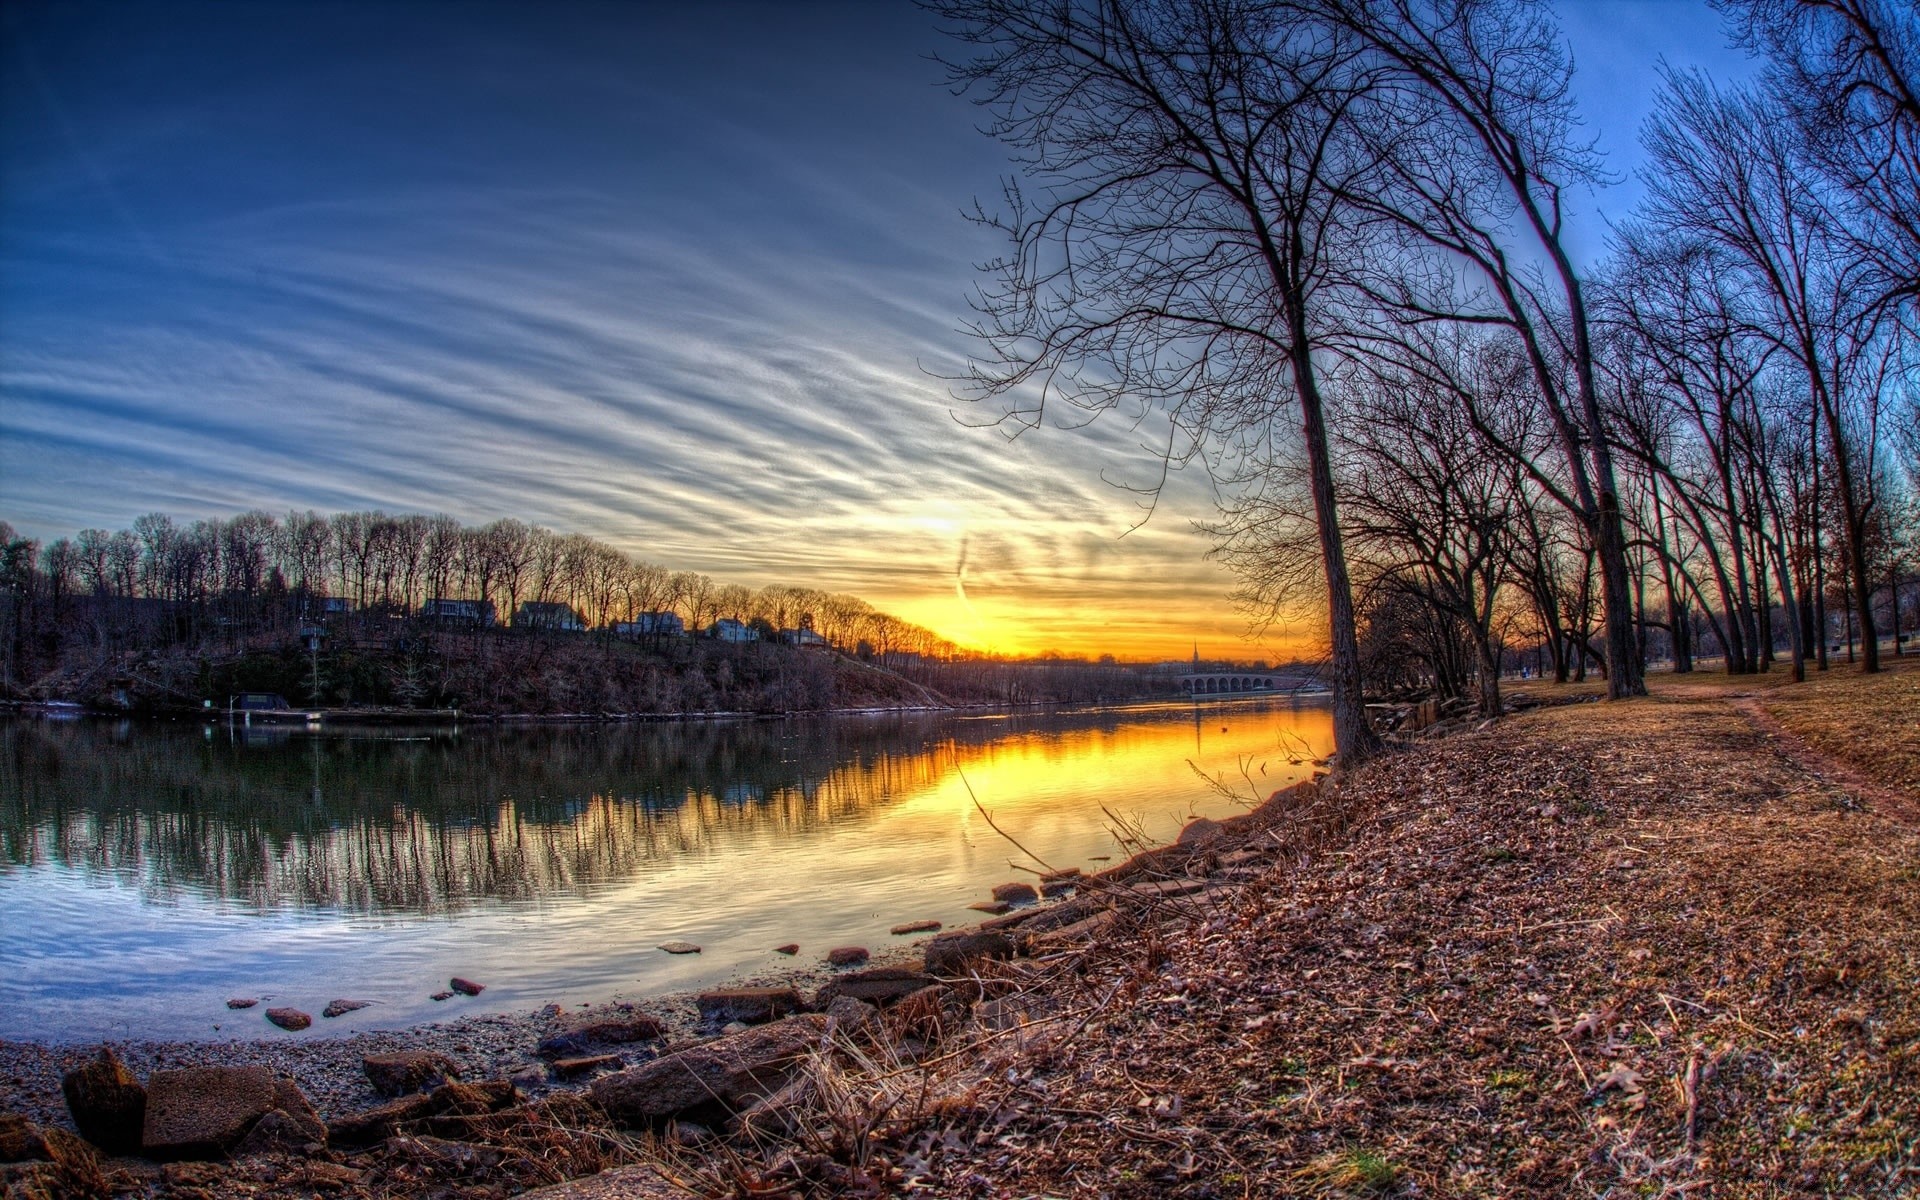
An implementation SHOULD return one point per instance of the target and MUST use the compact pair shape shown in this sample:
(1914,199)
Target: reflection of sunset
(364,862)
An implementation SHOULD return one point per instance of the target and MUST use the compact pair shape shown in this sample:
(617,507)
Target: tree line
(1328,244)
(211,583)
(78,608)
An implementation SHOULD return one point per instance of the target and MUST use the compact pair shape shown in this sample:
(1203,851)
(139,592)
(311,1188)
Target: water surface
(148,872)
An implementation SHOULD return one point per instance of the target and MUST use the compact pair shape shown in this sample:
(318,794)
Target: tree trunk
(1354,739)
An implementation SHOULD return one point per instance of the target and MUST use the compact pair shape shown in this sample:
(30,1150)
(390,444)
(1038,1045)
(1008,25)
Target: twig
(988,817)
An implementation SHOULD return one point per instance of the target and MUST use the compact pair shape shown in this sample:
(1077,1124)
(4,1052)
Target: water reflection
(147,871)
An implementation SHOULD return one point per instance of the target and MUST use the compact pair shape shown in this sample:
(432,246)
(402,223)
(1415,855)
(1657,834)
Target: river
(151,871)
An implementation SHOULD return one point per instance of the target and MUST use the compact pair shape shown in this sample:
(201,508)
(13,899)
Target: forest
(168,615)
(1341,251)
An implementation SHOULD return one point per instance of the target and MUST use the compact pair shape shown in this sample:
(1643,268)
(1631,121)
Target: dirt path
(1893,802)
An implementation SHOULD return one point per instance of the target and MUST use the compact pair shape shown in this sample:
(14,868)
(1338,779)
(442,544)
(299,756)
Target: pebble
(466,987)
(789,948)
(241,1003)
(847,956)
(679,947)
(916,927)
(441,996)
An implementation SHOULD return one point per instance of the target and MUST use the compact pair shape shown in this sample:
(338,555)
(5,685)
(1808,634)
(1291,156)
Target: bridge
(1226,683)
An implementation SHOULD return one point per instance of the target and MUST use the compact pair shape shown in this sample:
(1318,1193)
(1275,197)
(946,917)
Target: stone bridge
(1223,683)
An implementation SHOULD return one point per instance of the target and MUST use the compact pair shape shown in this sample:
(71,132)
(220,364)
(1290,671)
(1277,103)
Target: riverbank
(1666,945)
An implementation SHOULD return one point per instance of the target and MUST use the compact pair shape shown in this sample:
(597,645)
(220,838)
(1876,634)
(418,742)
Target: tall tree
(1180,248)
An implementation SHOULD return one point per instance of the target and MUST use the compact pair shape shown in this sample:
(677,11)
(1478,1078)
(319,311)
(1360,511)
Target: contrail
(960,586)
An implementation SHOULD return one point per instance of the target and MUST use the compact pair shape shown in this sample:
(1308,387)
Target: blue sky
(684,278)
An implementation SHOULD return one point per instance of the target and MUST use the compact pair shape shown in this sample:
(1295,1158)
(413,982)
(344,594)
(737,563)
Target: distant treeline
(216,605)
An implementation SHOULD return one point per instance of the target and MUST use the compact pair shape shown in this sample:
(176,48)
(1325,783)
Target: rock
(679,947)
(454,1158)
(377,1124)
(953,954)
(789,948)
(529,1077)
(1200,832)
(640,1182)
(571,1068)
(242,1002)
(847,956)
(990,906)
(1080,931)
(108,1105)
(407,1071)
(915,927)
(289,1101)
(289,1018)
(875,985)
(46,1163)
(752,1005)
(441,996)
(848,1017)
(710,1081)
(1016,893)
(581,1034)
(1061,876)
(1057,888)
(23,1141)
(449,1099)
(277,1132)
(466,987)
(203,1112)
(1061,915)
(339,1008)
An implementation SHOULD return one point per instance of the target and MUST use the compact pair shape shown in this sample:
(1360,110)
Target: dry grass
(1627,949)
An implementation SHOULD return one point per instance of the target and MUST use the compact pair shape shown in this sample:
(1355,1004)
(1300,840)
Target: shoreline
(1524,960)
(369,718)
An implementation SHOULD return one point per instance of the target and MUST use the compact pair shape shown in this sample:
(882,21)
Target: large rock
(203,1112)
(751,1005)
(713,1080)
(1016,893)
(956,954)
(847,956)
(449,1103)
(580,1035)
(408,1071)
(1201,832)
(23,1141)
(875,985)
(289,1018)
(108,1105)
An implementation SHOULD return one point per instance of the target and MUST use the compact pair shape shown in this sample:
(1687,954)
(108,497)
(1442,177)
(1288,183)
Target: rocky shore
(685,1068)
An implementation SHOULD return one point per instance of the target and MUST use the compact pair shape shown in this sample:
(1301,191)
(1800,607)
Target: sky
(690,279)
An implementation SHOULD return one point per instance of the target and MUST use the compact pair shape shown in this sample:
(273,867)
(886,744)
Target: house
(726,629)
(536,614)
(806,639)
(258,702)
(459,612)
(652,624)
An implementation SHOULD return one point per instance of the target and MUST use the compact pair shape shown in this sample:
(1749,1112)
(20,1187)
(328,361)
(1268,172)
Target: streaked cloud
(686,283)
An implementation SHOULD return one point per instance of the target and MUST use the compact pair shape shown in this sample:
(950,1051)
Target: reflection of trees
(420,823)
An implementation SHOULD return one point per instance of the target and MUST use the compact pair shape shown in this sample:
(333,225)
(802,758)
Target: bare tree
(1182,248)
(1723,174)
(1482,141)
